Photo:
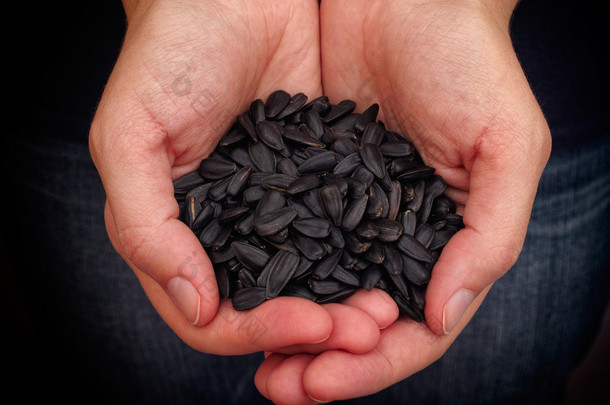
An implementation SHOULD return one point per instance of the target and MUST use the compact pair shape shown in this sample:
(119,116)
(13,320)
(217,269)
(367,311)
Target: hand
(444,74)
(186,70)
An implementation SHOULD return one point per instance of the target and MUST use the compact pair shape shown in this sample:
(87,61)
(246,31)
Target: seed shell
(248,298)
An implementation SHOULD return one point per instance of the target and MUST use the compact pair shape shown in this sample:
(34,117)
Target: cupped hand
(445,75)
(186,70)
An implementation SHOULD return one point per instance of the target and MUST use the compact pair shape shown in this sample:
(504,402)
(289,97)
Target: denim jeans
(94,333)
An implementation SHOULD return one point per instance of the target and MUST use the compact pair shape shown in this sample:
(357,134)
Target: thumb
(503,181)
(142,214)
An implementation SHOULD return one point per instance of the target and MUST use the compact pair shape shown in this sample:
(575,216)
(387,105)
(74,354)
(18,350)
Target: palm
(183,75)
(207,65)
(446,76)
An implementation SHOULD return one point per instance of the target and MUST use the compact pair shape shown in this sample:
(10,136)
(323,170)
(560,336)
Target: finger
(353,330)
(284,384)
(276,323)
(375,303)
(271,362)
(503,183)
(171,255)
(404,348)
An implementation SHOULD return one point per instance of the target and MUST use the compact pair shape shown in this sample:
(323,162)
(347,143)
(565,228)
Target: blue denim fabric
(95,330)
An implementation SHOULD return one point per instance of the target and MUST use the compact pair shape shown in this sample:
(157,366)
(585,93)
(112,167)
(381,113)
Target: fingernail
(186,297)
(320,341)
(317,401)
(455,308)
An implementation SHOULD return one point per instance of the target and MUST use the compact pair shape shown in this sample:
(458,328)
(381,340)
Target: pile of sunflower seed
(313,200)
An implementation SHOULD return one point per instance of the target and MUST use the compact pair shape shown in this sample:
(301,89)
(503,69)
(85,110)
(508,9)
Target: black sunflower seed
(314,122)
(375,253)
(369,115)
(245,224)
(374,133)
(407,308)
(326,266)
(340,110)
(310,199)
(319,104)
(302,210)
(248,298)
(415,271)
(257,111)
(324,287)
(205,215)
(424,233)
(270,133)
(296,102)
(222,237)
(222,255)
(223,281)
(400,283)
(277,181)
(282,269)
(373,159)
(416,203)
(418,172)
(187,182)
(318,163)
(239,182)
(344,146)
(331,201)
(374,208)
(192,208)
(337,296)
(393,260)
(335,238)
(363,174)
(396,148)
(214,168)
(394,199)
(370,276)
(314,227)
(356,244)
(239,154)
(413,248)
(311,248)
(408,219)
(272,200)
(440,239)
(330,136)
(287,166)
(210,232)
(231,214)
(262,157)
(417,294)
(303,137)
(276,102)
(246,123)
(299,291)
(274,221)
(252,195)
(246,277)
(354,212)
(347,165)
(388,230)
(303,183)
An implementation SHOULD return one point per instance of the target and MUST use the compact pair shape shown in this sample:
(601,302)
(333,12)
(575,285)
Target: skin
(445,74)
(164,108)
(453,85)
